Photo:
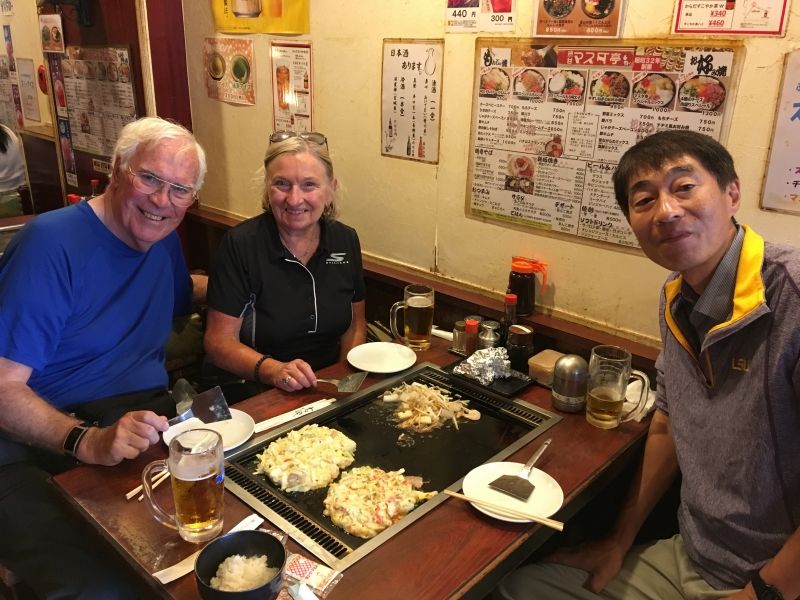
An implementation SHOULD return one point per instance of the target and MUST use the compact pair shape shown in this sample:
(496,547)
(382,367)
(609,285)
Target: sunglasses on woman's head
(309,136)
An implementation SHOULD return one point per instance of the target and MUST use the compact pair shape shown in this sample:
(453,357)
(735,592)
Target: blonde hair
(297,145)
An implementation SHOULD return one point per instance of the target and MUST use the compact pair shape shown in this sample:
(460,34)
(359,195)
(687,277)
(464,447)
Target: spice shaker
(459,337)
(570,376)
(470,336)
(489,335)
(520,346)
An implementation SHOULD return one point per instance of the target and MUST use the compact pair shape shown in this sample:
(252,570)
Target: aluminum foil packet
(486,365)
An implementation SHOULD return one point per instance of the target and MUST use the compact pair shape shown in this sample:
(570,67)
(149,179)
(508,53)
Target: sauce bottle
(509,318)
(470,336)
(522,282)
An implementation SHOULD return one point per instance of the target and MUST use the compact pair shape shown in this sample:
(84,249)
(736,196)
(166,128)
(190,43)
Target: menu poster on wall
(67,152)
(782,183)
(292,85)
(50,31)
(6,7)
(480,15)
(27,89)
(17,105)
(230,70)
(99,96)
(57,85)
(12,66)
(578,18)
(727,17)
(261,16)
(411,99)
(7,116)
(547,133)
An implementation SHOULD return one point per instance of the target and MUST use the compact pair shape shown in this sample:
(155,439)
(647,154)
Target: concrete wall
(413,214)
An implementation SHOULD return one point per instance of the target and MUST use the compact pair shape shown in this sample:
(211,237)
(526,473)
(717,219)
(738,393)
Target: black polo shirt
(289,310)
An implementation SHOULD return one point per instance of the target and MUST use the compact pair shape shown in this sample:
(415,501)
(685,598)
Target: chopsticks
(157,480)
(519,514)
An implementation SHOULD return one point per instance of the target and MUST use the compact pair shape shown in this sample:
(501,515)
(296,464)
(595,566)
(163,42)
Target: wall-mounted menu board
(550,122)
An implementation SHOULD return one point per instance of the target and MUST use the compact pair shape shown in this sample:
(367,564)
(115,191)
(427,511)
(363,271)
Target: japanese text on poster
(292,86)
(726,17)
(230,70)
(94,88)
(27,89)
(480,15)
(411,99)
(7,116)
(782,183)
(584,18)
(550,124)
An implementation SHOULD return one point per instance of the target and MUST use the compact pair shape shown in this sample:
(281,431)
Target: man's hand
(134,433)
(602,559)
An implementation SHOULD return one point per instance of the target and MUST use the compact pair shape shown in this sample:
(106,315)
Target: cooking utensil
(209,406)
(349,383)
(557,525)
(518,485)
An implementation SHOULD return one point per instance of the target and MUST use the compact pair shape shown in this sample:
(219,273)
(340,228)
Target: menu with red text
(551,122)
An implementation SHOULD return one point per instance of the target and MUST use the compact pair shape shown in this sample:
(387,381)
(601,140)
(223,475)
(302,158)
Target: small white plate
(546,499)
(234,431)
(381,357)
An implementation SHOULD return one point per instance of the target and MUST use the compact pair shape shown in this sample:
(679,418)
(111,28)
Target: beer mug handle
(159,513)
(393,319)
(643,395)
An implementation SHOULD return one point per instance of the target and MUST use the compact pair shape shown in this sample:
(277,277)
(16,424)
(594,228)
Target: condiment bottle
(95,188)
(459,337)
(489,335)
(470,336)
(73,198)
(522,282)
(520,346)
(509,318)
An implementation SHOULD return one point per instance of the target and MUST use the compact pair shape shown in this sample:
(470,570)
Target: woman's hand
(293,375)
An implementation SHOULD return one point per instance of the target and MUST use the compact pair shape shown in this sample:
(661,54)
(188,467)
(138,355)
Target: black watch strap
(763,590)
(73,439)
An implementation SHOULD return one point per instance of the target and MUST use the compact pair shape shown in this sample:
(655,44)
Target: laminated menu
(550,123)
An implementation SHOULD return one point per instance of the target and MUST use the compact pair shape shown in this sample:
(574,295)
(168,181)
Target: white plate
(234,431)
(381,357)
(546,499)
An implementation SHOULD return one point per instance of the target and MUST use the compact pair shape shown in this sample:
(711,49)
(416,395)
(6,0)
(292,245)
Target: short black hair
(652,152)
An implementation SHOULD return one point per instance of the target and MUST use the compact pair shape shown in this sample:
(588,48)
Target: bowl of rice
(241,565)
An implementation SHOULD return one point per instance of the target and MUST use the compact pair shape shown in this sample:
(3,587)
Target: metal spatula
(209,406)
(518,485)
(349,383)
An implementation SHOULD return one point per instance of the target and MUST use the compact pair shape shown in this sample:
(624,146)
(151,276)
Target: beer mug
(609,374)
(418,318)
(196,467)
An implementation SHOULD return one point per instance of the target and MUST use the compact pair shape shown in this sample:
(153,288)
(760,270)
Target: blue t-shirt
(86,312)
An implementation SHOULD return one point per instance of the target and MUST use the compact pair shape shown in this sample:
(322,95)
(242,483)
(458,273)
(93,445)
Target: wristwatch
(73,439)
(764,591)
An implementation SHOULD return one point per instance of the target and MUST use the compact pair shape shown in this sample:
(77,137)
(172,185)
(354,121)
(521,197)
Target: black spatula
(518,485)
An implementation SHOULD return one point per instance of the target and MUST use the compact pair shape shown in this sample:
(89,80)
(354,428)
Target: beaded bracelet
(256,376)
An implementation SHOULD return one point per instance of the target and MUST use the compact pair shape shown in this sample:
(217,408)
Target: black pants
(42,539)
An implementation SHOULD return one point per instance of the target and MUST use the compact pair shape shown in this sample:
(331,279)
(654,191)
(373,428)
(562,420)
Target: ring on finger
(286,380)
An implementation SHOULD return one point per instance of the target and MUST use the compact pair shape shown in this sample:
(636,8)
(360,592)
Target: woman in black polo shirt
(286,293)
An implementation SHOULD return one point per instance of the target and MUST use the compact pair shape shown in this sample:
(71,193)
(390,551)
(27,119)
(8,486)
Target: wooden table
(453,551)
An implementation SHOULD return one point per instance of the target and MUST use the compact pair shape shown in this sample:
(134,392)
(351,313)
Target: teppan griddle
(441,457)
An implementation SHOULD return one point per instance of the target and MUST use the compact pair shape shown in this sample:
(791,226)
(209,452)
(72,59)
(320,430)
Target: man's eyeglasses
(147,183)
(309,136)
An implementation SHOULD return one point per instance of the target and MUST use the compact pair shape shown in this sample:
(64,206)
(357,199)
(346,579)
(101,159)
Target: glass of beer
(609,374)
(196,468)
(418,319)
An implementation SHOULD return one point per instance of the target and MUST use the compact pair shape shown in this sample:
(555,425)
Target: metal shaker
(570,377)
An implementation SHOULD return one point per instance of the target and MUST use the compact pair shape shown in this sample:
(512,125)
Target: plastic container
(541,365)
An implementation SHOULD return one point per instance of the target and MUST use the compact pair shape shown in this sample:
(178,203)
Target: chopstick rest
(519,514)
